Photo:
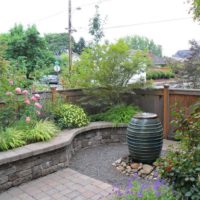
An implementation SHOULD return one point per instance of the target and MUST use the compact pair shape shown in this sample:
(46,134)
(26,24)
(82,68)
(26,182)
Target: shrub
(117,114)
(11,138)
(70,116)
(19,104)
(159,75)
(182,167)
(50,106)
(145,191)
(42,131)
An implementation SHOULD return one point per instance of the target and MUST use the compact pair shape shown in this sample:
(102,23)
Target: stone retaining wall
(39,159)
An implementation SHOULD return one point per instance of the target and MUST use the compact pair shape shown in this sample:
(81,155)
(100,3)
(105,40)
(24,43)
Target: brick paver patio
(65,184)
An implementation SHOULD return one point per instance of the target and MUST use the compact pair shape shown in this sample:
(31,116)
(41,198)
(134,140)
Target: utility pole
(70,35)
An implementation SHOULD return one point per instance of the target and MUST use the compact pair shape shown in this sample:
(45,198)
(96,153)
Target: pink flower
(27,101)
(38,112)
(38,105)
(33,98)
(18,90)
(37,96)
(11,82)
(28,119)
(8,93)
(25,92)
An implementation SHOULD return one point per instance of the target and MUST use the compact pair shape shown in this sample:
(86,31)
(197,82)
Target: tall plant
(96,26)
(109,67)
(182,167)
(18,104)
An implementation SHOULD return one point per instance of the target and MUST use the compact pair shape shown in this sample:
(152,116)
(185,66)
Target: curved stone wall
(39,159)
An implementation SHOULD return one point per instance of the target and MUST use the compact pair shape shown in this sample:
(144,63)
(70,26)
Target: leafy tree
(79,46)
(191,71)
(96,26)
(26,49)
(195,9)
(3,62)
(109,66)
(143,43)
(58,42)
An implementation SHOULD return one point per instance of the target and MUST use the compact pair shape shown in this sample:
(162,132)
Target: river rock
(135,165)
(147,169)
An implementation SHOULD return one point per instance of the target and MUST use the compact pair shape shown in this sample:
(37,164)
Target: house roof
(183,54)
(156,60)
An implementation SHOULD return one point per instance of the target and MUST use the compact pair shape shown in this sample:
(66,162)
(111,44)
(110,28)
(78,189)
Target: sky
(166,22)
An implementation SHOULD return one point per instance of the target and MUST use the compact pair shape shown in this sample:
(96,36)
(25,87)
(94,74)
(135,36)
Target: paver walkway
(65,184)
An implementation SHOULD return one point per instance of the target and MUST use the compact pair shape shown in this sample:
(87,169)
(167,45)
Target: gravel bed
(96,162)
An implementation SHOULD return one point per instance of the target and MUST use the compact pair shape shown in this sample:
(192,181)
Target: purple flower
(144,186)
(119,193)
(156,185)
(158,193)
(135,176)
(130,184)
(139,194)
(155,174)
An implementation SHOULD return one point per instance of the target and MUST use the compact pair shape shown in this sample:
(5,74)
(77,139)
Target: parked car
(50,79)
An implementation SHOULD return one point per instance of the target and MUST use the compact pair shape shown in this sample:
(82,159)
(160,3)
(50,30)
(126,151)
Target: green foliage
(147,84)
(70,116)
(108,66)
(50,107)
(175,65)
(25,48)
(96,26)
(190,73)
(22,133)
(11,138)
(64,64)
(3,62)
(147,190)
(37,86)
(159,75)
(182,167)
(43,130)
(117,114)
(79,46)
(18,104)
(195,8)
(143,43)
(58,43)
(188,127)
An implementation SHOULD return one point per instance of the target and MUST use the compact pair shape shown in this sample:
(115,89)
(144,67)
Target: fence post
(166,110)
(53,94)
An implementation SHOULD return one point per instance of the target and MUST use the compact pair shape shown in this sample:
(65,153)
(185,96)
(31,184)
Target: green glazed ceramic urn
(145,137)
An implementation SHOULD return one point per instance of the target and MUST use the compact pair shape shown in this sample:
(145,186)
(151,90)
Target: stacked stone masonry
(35,160)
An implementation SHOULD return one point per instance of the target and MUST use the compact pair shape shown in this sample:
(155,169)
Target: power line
(52,15)
(140,23)
(147,23)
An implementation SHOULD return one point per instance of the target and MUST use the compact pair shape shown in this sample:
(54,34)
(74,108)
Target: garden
(29,116)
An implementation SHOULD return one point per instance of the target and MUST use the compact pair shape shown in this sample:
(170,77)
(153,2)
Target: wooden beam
(166,110)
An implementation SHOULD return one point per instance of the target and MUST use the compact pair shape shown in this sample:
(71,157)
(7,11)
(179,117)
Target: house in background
(157,62)
(182,55)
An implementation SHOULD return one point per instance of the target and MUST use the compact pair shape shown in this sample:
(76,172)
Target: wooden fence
(159,101)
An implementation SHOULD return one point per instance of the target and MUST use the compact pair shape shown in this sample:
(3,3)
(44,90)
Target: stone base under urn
(128,167)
